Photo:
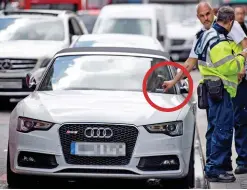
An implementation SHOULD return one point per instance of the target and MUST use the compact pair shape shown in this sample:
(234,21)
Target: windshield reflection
(31,29)
(104,72)
(125,26)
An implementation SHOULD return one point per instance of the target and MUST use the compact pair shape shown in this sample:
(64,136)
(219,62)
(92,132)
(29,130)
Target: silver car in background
(28,41)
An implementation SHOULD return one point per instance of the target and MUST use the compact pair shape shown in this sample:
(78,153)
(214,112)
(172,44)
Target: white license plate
(98,149)
(11,84)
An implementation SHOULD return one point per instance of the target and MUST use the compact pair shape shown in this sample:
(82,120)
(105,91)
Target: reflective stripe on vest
(225,82)
(218,63)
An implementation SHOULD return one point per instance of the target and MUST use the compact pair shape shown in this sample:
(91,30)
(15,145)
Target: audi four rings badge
(95,132)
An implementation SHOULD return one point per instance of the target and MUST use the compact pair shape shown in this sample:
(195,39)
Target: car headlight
(26,125)
(170,128)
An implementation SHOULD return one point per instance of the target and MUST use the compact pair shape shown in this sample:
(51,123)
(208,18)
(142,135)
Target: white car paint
(31,49)
(132,11)
(184,31)
(117,40)
(108,107)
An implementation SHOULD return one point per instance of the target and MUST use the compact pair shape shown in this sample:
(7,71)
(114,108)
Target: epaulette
(198,34)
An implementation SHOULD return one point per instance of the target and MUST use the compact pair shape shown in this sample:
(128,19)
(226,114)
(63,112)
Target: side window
(157,78)
(158,28)
(71,28)
(76,26)
(160,35)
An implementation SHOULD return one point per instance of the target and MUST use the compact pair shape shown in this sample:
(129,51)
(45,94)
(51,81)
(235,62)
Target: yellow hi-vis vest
(216,59)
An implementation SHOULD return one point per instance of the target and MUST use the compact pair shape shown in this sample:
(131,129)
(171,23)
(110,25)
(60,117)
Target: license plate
(98,149)
(11,84)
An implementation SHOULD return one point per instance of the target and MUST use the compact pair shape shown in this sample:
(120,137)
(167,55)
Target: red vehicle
(73,5)
(95,4)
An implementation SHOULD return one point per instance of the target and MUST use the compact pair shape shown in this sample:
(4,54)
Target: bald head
(205,14)
(239,14)
(203,5)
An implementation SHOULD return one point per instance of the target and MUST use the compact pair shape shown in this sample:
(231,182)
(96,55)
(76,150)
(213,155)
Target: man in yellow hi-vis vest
(219,67)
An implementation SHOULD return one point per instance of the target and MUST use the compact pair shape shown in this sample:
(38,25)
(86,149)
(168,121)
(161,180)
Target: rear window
(89,21)
(124,26)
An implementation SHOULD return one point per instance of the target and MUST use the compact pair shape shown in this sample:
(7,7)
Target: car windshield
(125,26)
(179,12)
(104,72)
(31,29)
(89,21)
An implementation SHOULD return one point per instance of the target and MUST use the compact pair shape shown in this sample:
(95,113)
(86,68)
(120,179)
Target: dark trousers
(240,112)
(240,129)
(219,135)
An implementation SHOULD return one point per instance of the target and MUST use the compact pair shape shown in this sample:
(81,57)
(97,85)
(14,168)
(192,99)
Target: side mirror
(161,38)
(30,81)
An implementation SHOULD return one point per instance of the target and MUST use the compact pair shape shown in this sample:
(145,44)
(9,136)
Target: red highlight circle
(149,72)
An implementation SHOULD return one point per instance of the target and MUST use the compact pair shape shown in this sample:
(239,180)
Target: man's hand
(168,84)
(241,75)
(189,64)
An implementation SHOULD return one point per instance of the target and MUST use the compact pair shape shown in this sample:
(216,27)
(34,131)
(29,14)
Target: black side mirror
(30,81)
(161,38)
(183,90)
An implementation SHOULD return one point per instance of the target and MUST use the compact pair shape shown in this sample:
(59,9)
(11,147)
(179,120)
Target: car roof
(119,40)
(36,17)
(36,12)
(110,50)
(137,10)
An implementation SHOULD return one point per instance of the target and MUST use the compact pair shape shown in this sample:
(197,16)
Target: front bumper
(147,145)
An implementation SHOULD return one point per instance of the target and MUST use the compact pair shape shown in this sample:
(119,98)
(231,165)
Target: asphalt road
(4,119)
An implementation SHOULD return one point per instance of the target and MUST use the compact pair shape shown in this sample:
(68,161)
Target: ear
(198,16)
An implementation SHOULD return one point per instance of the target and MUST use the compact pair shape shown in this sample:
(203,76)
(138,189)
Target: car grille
(177,42)
(17,64)
(122,133)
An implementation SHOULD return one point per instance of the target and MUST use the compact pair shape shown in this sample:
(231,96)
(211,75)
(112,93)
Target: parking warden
(219,68)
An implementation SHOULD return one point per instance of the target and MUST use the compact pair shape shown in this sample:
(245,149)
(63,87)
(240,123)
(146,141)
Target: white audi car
(88,117)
